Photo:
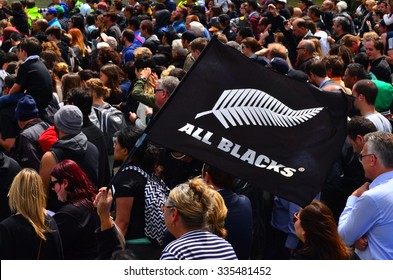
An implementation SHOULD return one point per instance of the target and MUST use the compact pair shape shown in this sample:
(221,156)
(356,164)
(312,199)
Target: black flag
(254,123)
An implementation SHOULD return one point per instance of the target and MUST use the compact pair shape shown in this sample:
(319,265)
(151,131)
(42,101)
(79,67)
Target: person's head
(145,157)
(198,28)
(26,110)
(197,46)
(341,26)
(354,73)
(352,42)
(327,5)
(276,50)
(60,69)
(216,177)
(39,25)
(194,205)
(27,197)
(187,37)
(315,70)
(164,89)
(146,28)
(110,18)
(177,49)
(53,32)
(300,28)
(374,48)
(365,92)
(97,88)
(77,39)
(109,75)
(377,154)
(69,81)
(127,37)
(250,46)
(243,33)
(31,46)
(357,128)
(71,184)
(81,98)
(251,6)
(50,14)
(180,13)
(334,66)
(68,120)
(316,228)
(305,50)
(108,55)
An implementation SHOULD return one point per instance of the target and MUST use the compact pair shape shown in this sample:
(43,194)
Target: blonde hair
(199,206)
(27,197)
(318,48)
(98,87)
(141,52)
(60,69)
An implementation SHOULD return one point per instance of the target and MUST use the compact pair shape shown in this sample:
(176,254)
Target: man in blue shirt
(127,39)
(369,210)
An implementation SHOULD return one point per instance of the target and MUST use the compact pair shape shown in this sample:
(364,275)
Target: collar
(324,82)
(382,178)
(31,58)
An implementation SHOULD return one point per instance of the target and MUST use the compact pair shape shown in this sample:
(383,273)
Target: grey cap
(69,119)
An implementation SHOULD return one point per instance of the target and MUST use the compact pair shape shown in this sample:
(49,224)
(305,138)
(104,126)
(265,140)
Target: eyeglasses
(296,216)
(300,49)
(158,90)
(360,156)
(53,183)
(163,207)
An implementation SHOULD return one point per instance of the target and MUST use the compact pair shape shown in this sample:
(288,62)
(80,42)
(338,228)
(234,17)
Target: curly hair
(107,55)
(98,87)
(199,206)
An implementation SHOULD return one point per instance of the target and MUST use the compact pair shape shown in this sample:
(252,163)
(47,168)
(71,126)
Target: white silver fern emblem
(255,107)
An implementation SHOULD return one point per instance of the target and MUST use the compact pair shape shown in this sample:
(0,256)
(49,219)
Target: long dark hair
(80,189)
(321,235)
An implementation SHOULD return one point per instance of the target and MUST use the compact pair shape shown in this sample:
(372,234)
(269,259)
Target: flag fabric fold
(270,130)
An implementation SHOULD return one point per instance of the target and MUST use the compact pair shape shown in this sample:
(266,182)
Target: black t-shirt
(34,78)
(130,183)
(9,127)
(77,225)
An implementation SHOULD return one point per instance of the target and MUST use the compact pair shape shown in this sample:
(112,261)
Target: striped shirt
(198,245)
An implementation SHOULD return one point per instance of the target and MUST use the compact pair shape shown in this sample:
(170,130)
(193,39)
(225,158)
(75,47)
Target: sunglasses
(53,183)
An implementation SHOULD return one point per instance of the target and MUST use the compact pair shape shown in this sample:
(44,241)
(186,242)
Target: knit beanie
(26,109)
(69,119)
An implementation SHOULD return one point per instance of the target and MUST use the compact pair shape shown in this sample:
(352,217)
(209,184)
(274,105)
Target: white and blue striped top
(198,245)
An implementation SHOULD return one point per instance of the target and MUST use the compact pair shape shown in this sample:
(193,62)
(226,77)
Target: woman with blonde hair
(30,233)
(98,91)
(194,214)
(58,71)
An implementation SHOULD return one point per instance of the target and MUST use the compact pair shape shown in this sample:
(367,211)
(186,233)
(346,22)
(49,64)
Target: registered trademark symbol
(301,169)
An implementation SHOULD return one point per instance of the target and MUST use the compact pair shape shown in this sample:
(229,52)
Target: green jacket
(138,94)
(33,14)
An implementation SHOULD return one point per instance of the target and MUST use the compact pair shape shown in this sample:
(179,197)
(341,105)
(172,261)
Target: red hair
(80,189)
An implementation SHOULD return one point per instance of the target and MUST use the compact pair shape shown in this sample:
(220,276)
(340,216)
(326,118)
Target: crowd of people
(80,82)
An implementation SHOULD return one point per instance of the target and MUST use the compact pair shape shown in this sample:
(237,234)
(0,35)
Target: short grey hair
(381,144)
(169,83)
(198,28)
(177,46)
